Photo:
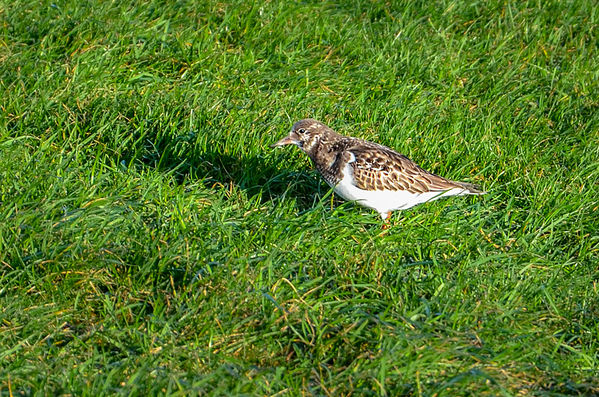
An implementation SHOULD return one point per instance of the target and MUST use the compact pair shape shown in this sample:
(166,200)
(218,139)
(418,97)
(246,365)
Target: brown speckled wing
(380,168)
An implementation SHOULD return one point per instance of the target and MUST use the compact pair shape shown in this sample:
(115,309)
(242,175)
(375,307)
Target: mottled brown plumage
(357,168)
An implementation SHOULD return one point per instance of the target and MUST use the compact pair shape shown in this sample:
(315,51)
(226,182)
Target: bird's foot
(386,224)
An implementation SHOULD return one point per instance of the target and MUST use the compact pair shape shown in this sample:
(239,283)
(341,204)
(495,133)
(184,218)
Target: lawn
(152,243)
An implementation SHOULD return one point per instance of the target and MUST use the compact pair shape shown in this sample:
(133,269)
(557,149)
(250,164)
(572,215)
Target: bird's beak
(288,140)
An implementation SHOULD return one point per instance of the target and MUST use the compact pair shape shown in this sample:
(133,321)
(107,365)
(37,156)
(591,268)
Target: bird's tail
(471,188)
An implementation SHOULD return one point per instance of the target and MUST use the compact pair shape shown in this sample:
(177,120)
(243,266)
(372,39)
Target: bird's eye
(301,131)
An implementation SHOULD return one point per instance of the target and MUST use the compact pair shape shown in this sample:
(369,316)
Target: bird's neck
(313,149)
(324,152)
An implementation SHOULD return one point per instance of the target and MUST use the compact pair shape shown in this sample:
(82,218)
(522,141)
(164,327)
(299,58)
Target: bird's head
(305,134)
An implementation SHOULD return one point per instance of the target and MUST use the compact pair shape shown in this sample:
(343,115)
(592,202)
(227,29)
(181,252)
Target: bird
(372,175)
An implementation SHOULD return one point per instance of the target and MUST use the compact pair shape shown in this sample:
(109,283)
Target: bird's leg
(386,217)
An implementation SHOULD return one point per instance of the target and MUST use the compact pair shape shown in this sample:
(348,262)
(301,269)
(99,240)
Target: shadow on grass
(255,175)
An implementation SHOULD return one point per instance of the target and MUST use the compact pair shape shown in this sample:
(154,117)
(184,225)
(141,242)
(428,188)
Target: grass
(152,243)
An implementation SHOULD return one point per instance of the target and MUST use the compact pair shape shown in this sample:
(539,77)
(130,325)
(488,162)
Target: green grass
(152,243)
